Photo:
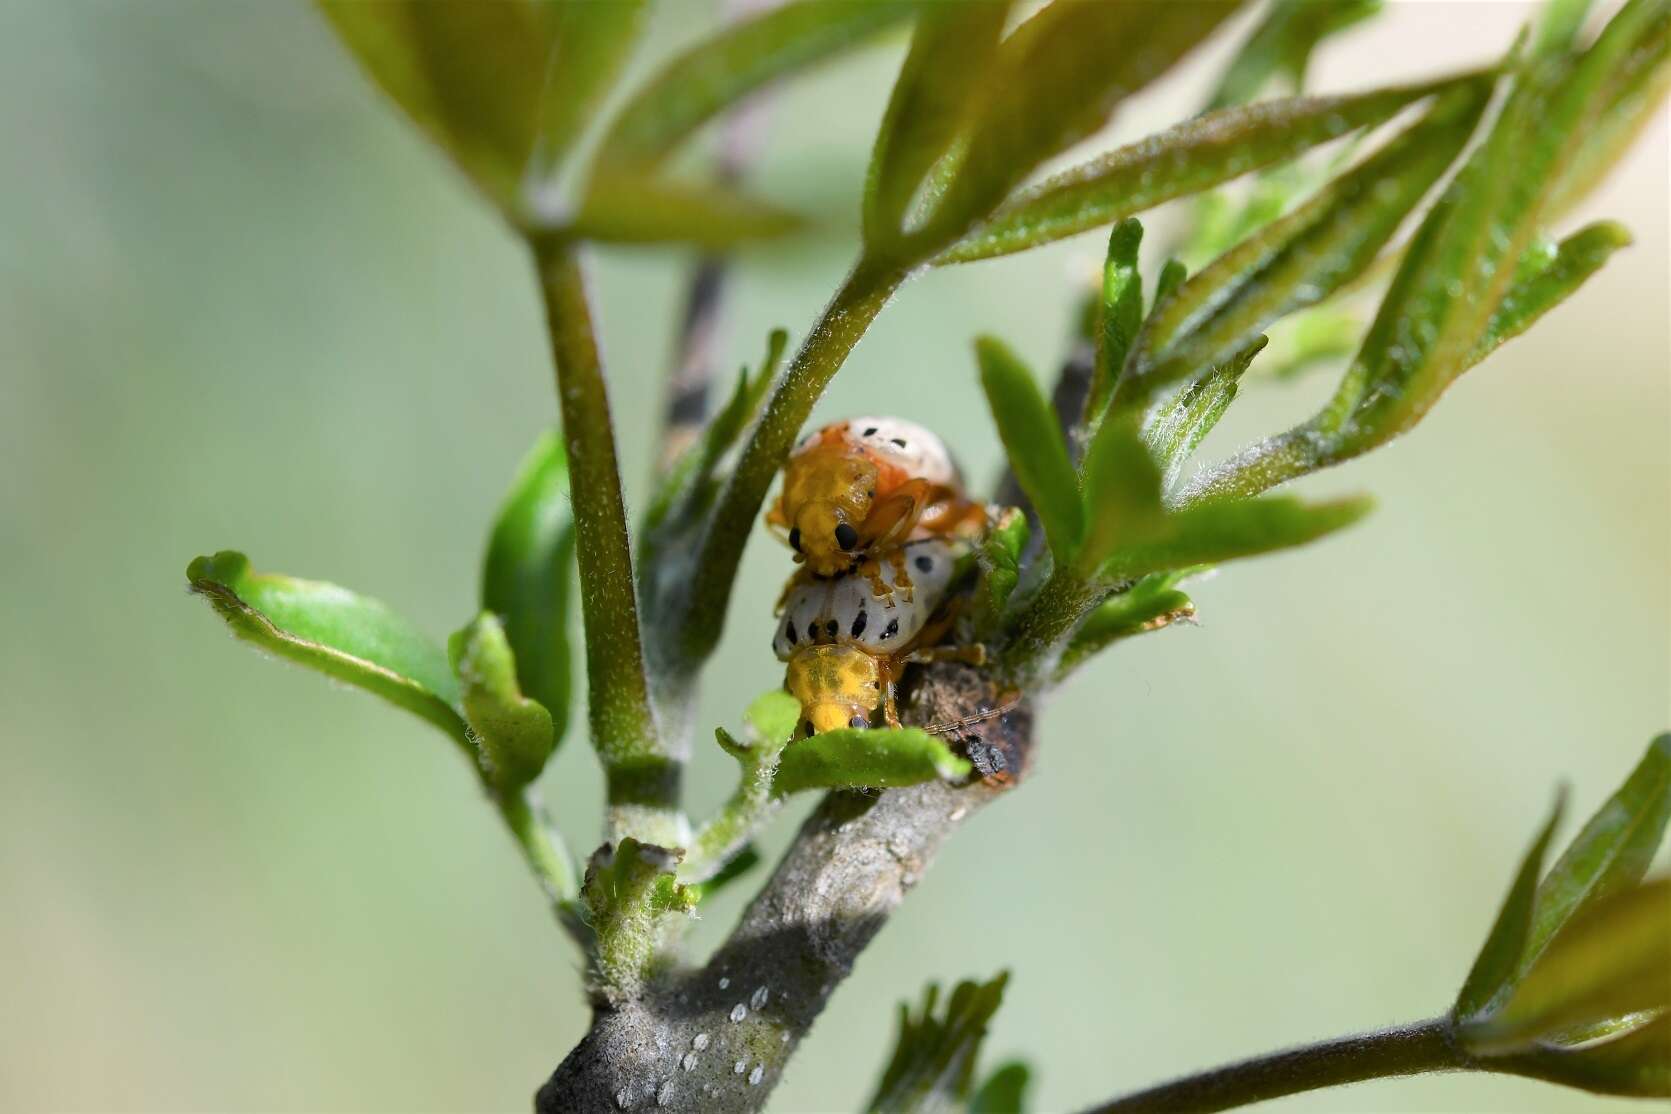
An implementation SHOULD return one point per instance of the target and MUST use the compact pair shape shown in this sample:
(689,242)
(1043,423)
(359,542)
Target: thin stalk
(642,775)
(542,846)
(1408,1050)
(855,305)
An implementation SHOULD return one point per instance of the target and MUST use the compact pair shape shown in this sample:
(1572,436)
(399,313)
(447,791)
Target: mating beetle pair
(875,511)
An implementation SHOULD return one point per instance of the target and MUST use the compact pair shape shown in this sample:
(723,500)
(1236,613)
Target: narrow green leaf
(1033,441)
(631,208)
(1224,532)
(1004,1091)
(1635,92)
(1577,258)
(348,637)
(1636,1064)
(526,577)
(1613,851)
(1120,316)
(773,715)
(1304,257)
(1498,963)
(1056,79)
(471,76)
(951,52)
(1172,275)
(1558,28)
(933,1061)
(1282,44)
(512,733)
(706,79)
(1612,960)
(1122,492)
(853,758)
(1177,426)
(1461,263)
(1196,155)
(1152,603)
(1130,533)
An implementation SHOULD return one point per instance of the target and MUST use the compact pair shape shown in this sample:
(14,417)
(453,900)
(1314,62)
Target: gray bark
(718,1037)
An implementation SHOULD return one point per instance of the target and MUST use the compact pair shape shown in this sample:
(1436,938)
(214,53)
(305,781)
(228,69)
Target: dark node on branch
(991,727)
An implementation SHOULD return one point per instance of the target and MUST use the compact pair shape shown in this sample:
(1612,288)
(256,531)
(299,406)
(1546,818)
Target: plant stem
(1406,1050)
(642,775)
(855,305)
(1046,622)
(542,846)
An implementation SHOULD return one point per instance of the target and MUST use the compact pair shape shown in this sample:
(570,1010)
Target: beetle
(846,643)
(864,486)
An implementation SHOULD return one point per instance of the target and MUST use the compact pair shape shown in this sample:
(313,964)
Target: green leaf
(1613,851)
(1122,491)
(1172,275)
(1055,80)
(1304,257)
(773,716)
(1177,426)
(512,733)
(706,79)
(1461,263)
(1614,959)
(526,577)
(933,1061)
(1577,258)
(1004,1091)
(1636,1063)
(1152,603)
(951,51)
(469,75)
(855,758)
(1498,963)
(1228,531)
(1559,27)
(632,208)
(1120,316)
(1282,44)
(1033,441)
(1635,92)
(503,88)
(349,638)
(1196,155)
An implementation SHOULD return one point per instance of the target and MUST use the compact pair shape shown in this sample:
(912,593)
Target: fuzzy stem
(1046,622)
(642,774)
(1407,1050)
(855,305)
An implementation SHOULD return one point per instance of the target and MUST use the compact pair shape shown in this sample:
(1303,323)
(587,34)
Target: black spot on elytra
(859,622)
(789,632)
(831,627)
(871,432)
(892,628)
(900,441)
(925,564)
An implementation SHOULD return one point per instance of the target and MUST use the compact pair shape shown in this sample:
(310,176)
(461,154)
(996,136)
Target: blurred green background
(242,305)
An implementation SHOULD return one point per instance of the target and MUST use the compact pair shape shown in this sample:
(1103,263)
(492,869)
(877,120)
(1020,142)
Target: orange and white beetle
(846,643)
(865,486)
